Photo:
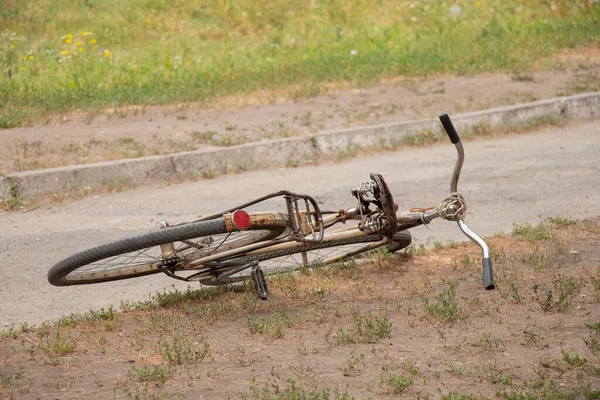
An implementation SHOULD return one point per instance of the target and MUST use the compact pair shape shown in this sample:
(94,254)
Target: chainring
(382,193)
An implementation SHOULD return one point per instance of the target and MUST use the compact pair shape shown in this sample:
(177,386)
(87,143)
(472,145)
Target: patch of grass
(456,396)
(572,360)
(355,366)
(65,56)
(108,314)
(444,307)
(272,326)
(560,296)
(522,77)
(291,391)
(176,297)
(531,233)
(549,391)
(392,382)
(423,138)
(157,373)
(593,341)
(180,351)
(58,344)
(368,328)
(584,80)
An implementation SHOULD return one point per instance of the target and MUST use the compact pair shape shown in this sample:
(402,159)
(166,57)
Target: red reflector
(241,220)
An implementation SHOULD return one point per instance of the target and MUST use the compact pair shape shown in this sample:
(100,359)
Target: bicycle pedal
(260,283)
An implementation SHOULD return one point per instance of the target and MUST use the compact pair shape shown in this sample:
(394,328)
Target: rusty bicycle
(240,244)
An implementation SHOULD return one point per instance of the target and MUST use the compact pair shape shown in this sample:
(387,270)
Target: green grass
(91,54)
(444,307)
(368,328)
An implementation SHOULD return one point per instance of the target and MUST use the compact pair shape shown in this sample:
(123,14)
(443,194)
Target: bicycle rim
(134,256)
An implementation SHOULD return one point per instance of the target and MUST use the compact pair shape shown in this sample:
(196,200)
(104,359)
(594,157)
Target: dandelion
(23,69)
(84,33)
(478,4)
(69,36)
(68,41)
(64,52)
(106,53)
(30,57)
(12,46)
(93,41)
(81,49)
(147,20)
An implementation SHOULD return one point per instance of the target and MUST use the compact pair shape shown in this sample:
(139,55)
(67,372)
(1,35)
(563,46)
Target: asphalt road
(506,180)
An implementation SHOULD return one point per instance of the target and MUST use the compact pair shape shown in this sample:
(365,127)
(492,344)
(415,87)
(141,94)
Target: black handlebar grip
(488,274)
(449,127)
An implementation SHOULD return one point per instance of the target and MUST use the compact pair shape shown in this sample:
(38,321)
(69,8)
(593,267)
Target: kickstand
(260,284)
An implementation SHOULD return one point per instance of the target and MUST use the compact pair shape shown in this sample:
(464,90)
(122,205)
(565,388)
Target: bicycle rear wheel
(140,255)
(307,255)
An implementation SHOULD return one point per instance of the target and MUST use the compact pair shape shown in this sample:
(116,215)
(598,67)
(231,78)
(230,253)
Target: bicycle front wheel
(140,255)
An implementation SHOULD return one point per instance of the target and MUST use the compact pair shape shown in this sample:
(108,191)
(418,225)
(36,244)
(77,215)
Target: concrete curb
(32,185)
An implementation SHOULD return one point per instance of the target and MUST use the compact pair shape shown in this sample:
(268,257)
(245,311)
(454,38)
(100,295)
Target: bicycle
(236,244)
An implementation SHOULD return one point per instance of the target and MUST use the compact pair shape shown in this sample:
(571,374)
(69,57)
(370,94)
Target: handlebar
(449,127)
(488,274)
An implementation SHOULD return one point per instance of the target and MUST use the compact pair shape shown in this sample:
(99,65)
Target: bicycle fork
(488,274)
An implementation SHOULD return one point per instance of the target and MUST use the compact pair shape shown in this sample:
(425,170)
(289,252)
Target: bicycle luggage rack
(294,216)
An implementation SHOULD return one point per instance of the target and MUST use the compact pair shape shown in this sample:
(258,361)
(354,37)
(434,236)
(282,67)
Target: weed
(157,373)
(445,307)
(367,329)
(495,375)
(109,314)
(422,138)
(456,369)
(356,365)
(180,351)
(596,284)
(291,391)
(456,396)
(560,296)
(393,383)
(271,326)
(531,233)
(522,77)
(350,151)
(533,339)
(58,344)
(572,360)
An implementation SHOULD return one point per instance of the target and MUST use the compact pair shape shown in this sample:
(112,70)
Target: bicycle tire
(71,271)
(401,240)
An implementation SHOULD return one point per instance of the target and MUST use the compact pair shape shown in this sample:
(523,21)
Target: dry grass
(345,332)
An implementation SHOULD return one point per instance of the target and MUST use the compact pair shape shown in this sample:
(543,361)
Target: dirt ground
(417,325)
(78,138)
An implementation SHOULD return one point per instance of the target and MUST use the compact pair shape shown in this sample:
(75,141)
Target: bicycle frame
(309,226)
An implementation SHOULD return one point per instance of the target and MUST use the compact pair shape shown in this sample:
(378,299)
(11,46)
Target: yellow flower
(84,33)
(69,36)
(64,52)
(81,49)
(147,20)
(23,69)
(478,4)
(93,41)
(106,53)
(77,43)
(68,41)
(30,57)
(12,46)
